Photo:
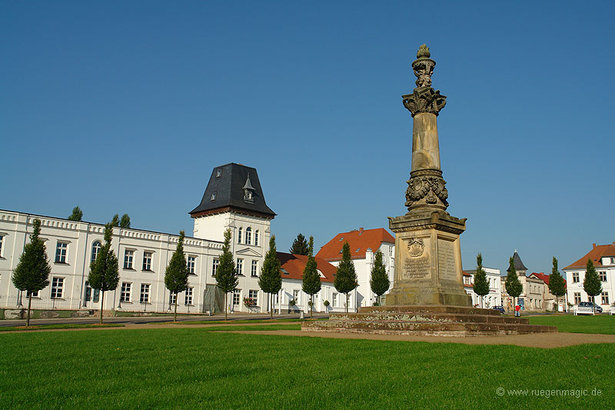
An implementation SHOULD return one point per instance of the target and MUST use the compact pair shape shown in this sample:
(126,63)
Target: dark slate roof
(226,188)
(518,263)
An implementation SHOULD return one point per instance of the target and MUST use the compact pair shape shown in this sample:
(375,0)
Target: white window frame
(605,298)
(253,294)
(129,259)
(296,296)
(575,277)
(96,247)
(148,257)
(144,295)
(1,244)
(577,297)
(189,296)
(57,287)
(254,269)
(239,266)
(249,235)
(61,252)
(35,294)
(172,298)
(191,264)
(126,292)
(602,275)
(236,297)
(239,233)
(256,234)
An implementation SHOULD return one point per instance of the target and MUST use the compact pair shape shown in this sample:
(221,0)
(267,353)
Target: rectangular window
(334,299)
(575,277)
(256,237)
(602,276)
(236,297)
(35,294)
(296,296)
(188,298)
(254,269)
(61,249)
(147,261)
(191,265)
(1,242)
(214,267)
(128,258)
(253,294)
(605,298)
(239,266)
(577,298)
(144,297)
(88,292)
(57,287)
(172,299)
(96,297)
(125,293)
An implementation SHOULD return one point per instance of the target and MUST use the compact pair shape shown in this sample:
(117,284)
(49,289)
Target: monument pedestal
(428,268)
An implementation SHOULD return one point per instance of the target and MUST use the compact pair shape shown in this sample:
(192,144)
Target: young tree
(379,282)
(557,285)
(300,246)
(270,280)
(513,286)
(481,285)
(115,221)
(32,271)
(346,277)
(311,278)
(125,221)
(176,275)
(77,214)
(226,276)
(591,284)
(104,274)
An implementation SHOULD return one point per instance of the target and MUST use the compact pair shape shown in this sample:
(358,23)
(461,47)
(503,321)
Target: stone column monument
(427,251)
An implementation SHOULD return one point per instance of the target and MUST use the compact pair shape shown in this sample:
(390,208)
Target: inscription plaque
(446,259)
(416,261)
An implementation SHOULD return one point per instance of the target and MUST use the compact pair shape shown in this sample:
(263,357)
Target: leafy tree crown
(311,279)
(557,285)
(592,284)
(32,271)
(176,275)
(345,277)
(481,285)
(104,272)
(379,282)
(125,221)
(77,214)
(300,246)
(226,276)
(513,286)
(270,280)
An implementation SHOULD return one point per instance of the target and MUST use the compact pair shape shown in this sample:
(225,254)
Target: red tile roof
(544,278)
(359,240)
(294,265)
(596,255)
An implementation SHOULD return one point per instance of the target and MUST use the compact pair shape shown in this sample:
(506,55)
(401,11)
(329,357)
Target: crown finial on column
(424,98)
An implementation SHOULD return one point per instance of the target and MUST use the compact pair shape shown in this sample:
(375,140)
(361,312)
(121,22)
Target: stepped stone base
(426,321)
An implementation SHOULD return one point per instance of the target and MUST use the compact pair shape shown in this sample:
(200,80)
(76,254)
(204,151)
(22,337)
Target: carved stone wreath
(427,187)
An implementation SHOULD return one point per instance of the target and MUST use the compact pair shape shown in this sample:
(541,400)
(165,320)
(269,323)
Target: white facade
(143,257)
(606,272)
(494,297)
(292,290)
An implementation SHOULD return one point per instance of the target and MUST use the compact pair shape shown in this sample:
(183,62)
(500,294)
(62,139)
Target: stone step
(425,328)
(431,309)
(426,317)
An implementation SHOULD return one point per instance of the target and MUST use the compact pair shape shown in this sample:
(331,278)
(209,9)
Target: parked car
(498,308)
(590,305)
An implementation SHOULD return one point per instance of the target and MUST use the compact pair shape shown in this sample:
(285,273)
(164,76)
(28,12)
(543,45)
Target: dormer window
(248,191)
(213,196)
(218,173)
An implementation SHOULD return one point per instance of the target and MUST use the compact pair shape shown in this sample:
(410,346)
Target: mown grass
(221,322)
(59,326)
(195,367)
(603,324)
(253,328)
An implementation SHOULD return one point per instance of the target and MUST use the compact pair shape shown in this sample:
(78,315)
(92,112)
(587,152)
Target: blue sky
(126,106)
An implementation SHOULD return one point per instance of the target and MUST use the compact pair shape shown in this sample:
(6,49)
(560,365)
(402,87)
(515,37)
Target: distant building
(532,295)
(550,301)
(364,243)
(494,297)
(603,258)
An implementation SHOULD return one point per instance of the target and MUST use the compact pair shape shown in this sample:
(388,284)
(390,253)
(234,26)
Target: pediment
(248,252)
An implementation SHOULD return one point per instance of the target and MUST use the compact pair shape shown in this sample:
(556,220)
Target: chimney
(594,245)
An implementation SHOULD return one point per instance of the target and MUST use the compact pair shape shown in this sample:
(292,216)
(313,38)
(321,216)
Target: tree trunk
(311,306)
(29,306)
(225,307)
(346,302)
(102,304)
(175,313)
(271,304)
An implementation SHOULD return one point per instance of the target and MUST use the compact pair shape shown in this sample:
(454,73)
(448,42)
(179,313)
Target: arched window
(248,235)
(256,237)
(95,249)
(239,236)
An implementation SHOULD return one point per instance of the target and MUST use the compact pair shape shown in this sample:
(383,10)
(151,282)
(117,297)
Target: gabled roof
(596,255)
(226,191)
(543,277)
(294,265)
(518,263)
(359,240)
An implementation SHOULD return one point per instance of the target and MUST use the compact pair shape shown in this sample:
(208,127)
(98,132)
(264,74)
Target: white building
(603,258)
(363,246)
(233,200)
(533,289)
(494,297)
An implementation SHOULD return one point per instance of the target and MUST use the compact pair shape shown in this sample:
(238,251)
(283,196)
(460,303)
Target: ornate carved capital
(424,98)
(426,188)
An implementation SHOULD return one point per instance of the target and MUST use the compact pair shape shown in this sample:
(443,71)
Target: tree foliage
(115,221)
(557,284)
(125,221)
(592,284)
(345,277)
(226,276)
(77,214)
(270,280)
(176,274)
(311,279)
(379,281)
(300,246)
(104,273)
(32,271)
(481,285)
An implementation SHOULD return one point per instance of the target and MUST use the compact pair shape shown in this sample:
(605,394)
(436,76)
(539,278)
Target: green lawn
(58,326)
(219,322)
(604,324)
(194,367)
